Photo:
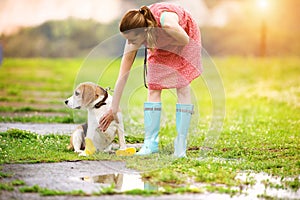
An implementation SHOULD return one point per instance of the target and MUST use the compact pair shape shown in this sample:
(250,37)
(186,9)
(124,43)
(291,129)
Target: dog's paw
(82,154)
(126,152)
(78,151)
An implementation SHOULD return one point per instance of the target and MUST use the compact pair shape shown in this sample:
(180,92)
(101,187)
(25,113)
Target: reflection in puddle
(122,182)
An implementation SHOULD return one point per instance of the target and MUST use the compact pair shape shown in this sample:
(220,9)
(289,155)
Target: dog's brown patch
(90,92)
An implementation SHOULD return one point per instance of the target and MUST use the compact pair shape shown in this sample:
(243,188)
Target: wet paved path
(40,128)
(68,176)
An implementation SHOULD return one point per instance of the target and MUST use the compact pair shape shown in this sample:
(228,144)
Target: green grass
(19,146)
(260,132)
(9,186)
(48,192)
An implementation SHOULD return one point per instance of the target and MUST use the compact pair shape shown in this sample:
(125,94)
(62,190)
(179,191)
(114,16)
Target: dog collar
(102,102)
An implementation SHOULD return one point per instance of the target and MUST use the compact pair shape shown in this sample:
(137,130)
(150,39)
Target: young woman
(174,59)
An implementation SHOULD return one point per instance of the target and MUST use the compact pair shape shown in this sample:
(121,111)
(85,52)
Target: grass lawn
(261,130)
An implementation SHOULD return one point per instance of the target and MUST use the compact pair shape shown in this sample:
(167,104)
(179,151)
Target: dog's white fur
(86,96)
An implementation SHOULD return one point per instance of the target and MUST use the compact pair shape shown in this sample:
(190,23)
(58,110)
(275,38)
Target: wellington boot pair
(152,113)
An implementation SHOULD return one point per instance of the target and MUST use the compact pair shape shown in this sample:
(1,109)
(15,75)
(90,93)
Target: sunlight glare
(263,4)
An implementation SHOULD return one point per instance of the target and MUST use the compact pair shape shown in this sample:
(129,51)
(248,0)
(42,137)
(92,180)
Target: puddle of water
(259,184)
(122,182)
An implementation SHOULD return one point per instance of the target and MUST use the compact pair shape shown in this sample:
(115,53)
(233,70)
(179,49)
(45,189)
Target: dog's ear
(101,92)
(98,92)
(88,94)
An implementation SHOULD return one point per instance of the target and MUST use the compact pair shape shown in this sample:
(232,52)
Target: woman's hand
(107,119)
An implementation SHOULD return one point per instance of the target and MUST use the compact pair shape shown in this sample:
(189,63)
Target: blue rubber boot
(183,118)
(152,112)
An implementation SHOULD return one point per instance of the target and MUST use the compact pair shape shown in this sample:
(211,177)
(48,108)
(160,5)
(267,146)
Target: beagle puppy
(88,138)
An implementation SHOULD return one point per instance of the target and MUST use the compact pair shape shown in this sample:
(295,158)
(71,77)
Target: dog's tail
(70,146)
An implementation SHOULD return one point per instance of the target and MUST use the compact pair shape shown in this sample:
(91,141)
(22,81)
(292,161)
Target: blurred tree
(240,36)
(67,38)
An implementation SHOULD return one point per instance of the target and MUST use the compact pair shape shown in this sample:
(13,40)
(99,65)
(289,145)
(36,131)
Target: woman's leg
(154,95)
(152,113)
(184,111)
(184,95)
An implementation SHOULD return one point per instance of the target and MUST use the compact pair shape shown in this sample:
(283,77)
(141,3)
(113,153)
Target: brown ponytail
(138,19)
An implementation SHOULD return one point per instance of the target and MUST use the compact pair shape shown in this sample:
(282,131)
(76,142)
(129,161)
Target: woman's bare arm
(126,64)
(172,27)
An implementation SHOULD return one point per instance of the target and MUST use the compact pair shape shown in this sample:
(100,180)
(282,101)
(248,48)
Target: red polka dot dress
(172,66)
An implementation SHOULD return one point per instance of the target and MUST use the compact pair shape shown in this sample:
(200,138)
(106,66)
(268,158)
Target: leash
(108,89)
(145,68)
